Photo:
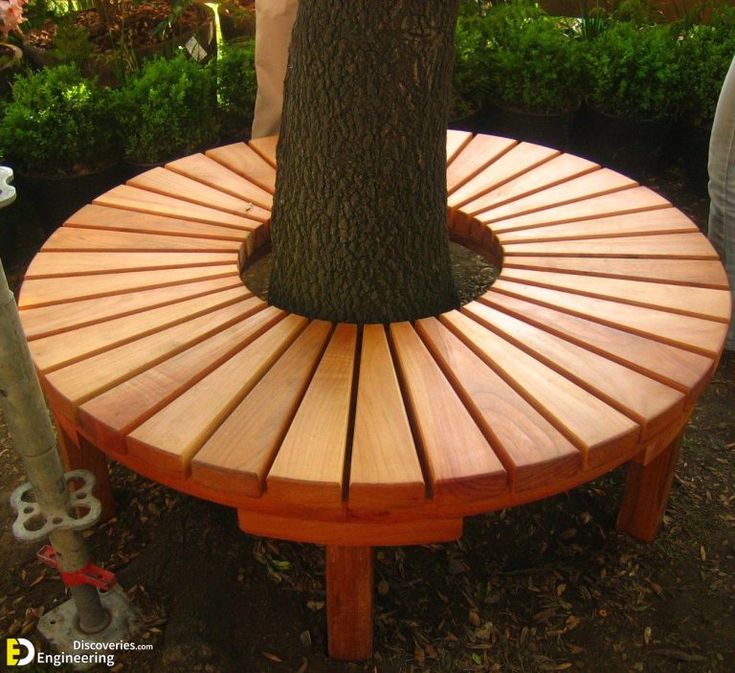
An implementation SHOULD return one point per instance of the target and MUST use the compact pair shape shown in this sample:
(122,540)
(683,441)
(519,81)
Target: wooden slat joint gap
(174,234)
(480,169)
(352,414)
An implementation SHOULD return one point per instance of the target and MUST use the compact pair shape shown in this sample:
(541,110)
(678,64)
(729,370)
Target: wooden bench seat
(589,351)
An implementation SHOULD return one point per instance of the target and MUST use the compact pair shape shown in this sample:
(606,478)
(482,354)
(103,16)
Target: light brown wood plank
(100,217)
(63,264)
(635,200)
(673,366)
(700,302)
(310,464)
(71,239)
(662,221)
(126,197)
(75,384)
(236,458)
(531,449)
(701,336)
(597,183)
(266,148)
(650,403)
(48,320)
(58,350)
(174,434)
(477,155)
(49,291)
(204,169)
(518,160)
(597,429)
(457,457)
(456,140)
(385,469)
(246,162)
(169,183)
(700,273)
(111,415)
(558,170)
(680,246)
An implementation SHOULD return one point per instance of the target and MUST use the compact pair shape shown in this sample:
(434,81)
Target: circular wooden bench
(589,351)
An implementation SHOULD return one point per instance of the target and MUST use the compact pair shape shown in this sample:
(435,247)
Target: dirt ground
(550,586)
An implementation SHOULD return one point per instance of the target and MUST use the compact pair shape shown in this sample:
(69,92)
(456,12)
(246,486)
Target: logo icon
(15,647)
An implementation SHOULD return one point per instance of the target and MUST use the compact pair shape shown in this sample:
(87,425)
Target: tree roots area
(549,586)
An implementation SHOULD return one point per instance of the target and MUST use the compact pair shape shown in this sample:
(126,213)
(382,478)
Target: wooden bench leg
(349,573)
(647,493)
(77,453)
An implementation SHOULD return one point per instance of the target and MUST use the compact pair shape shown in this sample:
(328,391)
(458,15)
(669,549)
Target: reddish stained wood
(530,448)
(246,162)
(456,140)
(266,148)
(237,457)
(475,156)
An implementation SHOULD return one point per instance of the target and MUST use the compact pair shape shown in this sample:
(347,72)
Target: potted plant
(236,19)
(538,71)
(236,87)
(11,15)
(57,134)
(167,110)
(706,52)
(634,88)
(470,80)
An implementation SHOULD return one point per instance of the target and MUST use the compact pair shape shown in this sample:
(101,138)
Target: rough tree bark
(359,219)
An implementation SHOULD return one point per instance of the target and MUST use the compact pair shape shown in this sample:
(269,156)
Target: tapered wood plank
(107,418)
(597,429)
(64,264)
(205,169)
(520,159)
(699,273)
(676,246)
(237,457)
(169,183)
(681,369)
(173,435)
(126,197)
(650,403)
(48,320)
(635,200)
(701,336)
(70,239)
(663,221)
(58,350)
(266,148)
(590,185)
(349,578)
(530,448)
(310,464)
(556,171)
(456,141)
(699,302)
(49,291)
(73,385)
(457,457)
(385,469)
(475,156)
(101,217)
(246,162)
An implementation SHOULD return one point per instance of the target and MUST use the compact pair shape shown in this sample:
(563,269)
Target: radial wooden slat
(111,415)
(309,468)
(385,469)
(246,162)
(205,169)
(456,140)
(266,148)
(477,155)
(237,457)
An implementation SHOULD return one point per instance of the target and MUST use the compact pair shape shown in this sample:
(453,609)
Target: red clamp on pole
(90,574)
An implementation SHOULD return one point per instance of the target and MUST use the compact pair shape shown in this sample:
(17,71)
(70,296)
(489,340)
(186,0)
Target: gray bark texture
(359,219)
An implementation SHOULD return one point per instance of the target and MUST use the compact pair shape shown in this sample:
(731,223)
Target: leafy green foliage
(635,71)
(471,80)
(58,123)
(168,109)
(237,84)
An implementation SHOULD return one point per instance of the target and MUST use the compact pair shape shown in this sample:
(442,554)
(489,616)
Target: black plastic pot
(551,130)
(11,68)
(473,122)
(631,146)
(694,151)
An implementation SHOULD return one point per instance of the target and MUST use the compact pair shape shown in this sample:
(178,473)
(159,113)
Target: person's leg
(274,21)
(722,184)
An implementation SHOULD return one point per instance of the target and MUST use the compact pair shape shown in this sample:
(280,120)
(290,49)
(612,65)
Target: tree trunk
(359,218)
